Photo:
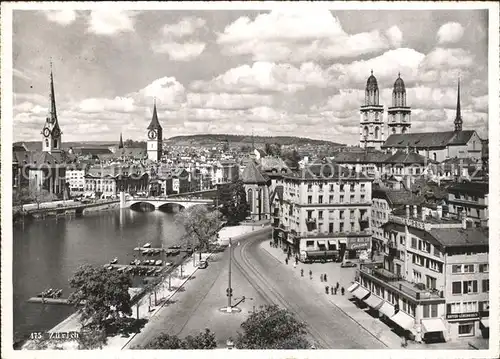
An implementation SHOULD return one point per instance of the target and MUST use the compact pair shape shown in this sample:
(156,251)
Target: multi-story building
(433,282)
(75,177)
(470,198)
(325,208)
(107,181)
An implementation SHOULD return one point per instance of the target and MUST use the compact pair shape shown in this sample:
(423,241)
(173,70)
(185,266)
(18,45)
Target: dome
(371,84)
(399,85)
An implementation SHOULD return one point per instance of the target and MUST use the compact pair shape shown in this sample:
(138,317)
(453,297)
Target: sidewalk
(345,277)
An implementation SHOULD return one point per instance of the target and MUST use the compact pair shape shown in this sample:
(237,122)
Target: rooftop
(425,140)
(459,237)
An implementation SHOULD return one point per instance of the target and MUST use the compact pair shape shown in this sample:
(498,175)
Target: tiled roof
(461,137)
(40,157)
(269,163)
(362,157)
(319,170)
(480,188)
(407,158)
(458,237)
(91,151)
(252,175)
(397,197)
(419,140)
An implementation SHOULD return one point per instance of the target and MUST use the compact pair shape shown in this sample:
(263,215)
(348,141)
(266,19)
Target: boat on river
(159,262)
(114,261)
(147,245)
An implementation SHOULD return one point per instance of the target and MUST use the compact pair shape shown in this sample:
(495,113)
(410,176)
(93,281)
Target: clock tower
(51,132)
(155,137)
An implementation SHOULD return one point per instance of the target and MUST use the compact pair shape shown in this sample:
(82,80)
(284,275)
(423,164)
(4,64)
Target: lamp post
(229,289)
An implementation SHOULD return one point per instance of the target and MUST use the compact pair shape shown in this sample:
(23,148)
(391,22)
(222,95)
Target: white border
(494,199)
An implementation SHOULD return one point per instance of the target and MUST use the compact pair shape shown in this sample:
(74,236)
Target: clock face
(152,134)
(56,132)
(46,132)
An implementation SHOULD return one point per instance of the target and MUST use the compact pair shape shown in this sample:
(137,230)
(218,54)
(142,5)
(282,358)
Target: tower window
(393,130)
(376,132)
(46,143)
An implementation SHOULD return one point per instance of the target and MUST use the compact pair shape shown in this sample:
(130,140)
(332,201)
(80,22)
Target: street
(262,280)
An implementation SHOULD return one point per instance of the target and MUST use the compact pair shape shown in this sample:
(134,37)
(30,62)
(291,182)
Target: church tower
(51,132)
(399,121)
(458,117)
(155,137)
(372,126)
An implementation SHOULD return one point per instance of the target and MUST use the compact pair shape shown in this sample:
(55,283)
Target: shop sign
(358,243)
(407,222)
(472,315)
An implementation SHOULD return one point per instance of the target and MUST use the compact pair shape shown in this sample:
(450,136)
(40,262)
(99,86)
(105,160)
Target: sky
(280,72)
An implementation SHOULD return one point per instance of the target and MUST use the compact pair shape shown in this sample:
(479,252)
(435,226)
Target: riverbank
(146,308)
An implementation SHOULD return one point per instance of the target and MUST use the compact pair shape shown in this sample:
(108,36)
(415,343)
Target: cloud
(61,17)
(395,36)
(450,32)
(300,36)
(97,105)
(105,22)
(266,76)
(227,101)
(180,51)
(185,26)
(441,58)
(21,75)
(168,92)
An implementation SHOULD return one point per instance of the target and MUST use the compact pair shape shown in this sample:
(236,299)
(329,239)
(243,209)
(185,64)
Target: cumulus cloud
(167,90)
(227,101)
(300,36)
(105,22)
(450,32)
(61,17)
(266,76)
(180,51)
(185,26)
(395,36)
(441,58)
(97,105)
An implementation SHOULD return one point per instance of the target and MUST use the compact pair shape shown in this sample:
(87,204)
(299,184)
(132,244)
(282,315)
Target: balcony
(398,284)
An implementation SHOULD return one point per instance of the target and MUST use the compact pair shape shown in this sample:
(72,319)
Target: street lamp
(229,290)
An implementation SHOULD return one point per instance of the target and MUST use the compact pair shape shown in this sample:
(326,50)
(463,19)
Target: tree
(201,226)
(272,327)
(100,295)
(293,157)
(203,340)
(233,202)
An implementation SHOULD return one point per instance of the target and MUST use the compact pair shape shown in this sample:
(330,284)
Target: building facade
(75,177)
(471,200)
(257,190)
(399,114)
(433,278)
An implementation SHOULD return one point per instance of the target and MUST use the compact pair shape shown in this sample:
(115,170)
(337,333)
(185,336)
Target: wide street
(257,275)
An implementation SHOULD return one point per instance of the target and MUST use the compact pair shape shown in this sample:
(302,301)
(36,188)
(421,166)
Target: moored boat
(114,261)
(147,245)
(158,262)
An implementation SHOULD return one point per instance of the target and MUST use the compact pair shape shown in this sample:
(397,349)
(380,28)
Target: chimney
(440,211)
(424,213)
(407,211)
(415,211)
(464,222)
(408,182)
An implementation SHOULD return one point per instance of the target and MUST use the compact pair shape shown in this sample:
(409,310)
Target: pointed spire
(253,143)
(372,71)
(53,111)
(154,124)
(458,116)
(120,145)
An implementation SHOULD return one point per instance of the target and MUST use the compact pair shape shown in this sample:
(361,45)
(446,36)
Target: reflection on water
(46,254)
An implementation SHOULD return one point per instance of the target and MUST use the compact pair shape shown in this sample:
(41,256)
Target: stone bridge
(158,202)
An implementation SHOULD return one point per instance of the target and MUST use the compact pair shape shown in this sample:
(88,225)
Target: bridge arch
(142,206)
(172,207)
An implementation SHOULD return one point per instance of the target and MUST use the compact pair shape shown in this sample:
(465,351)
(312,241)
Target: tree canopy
(203,340)
(233,202)
(100,295)
(272,327)
(200,225)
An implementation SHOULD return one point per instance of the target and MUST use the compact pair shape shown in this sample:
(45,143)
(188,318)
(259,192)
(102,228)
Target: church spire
(53,111)
(120,145)
(154,124)
(458,116)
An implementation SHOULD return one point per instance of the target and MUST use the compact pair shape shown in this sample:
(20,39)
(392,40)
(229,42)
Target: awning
(433,325)
(333,243)
(360,292)
(387,309)
(321,242)
(352,287)
(485,322)
(374,301)
(403,320)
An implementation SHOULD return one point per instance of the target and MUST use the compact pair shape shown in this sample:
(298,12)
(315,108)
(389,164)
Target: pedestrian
(286,260)
(310,274)
(270,244)
(331,290)
(327,288)
(295,265)
(337,286)
(342,290)
(296,260)
(302,272)
(335,290)
(321,277)
(324,277)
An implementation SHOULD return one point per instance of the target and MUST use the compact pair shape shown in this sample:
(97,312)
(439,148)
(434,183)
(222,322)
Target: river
(46,253)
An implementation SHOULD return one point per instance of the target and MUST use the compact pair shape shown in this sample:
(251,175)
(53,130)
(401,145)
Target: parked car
(348,264)
(203,265)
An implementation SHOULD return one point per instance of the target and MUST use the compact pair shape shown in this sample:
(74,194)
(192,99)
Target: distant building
(372,126)
(75,177)
(155,138)
(469,199)
(257,189)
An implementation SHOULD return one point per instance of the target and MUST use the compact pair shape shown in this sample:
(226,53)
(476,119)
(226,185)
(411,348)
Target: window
(469,286)
(330,199)
(341,188)
(309,243)
(466,329)
(341,215)
(341,227)
(414,242)
(417,276)
(434,310)
(402,240)
(486,285)
(362,198)
(362,187)
(330,228)
(483,268)
(456,288)
(469,307)
(320,186)
(456,268)
(341,199)
(430,282)
(453,308)
(351,198)
(309,199)
(437,252)
(320,214)
(320,199)
(484,306)
(331,188)
(468,268)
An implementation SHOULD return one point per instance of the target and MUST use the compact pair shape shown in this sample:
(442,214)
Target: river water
(46,253)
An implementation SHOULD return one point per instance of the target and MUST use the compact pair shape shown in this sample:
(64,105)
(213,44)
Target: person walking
(337,286)
(327,288)
(342,290)
(324,277)
(335,290)
(302,272)
(296,260)
(321,277)
(286,260)
(310,274)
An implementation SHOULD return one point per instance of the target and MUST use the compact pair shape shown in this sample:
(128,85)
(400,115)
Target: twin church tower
(372,126)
